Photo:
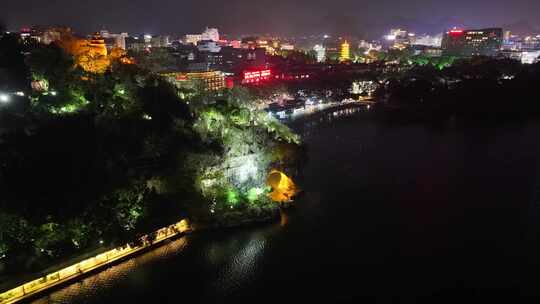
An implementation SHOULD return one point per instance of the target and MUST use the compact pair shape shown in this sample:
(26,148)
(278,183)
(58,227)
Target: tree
(14,75)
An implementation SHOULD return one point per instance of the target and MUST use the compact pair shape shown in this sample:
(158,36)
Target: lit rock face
(283,187)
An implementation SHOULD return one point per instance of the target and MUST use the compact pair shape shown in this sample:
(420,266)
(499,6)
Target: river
(391,213)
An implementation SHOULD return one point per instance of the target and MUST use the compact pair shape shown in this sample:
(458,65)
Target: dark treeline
(480,87)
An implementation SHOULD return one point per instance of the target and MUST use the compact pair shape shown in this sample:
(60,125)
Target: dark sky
(265,16)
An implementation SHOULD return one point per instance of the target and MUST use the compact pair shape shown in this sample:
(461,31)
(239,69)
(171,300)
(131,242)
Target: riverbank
(109,258)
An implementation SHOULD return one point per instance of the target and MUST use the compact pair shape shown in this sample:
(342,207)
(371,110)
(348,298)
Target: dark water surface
(392,213)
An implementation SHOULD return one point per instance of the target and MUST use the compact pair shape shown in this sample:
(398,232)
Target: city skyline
(365,18)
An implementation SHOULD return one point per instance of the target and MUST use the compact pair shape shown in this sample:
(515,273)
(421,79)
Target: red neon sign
(257,75)
(456,32)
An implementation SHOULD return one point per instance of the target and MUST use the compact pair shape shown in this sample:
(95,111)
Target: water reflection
(309,125)
(91,287)
(241,267)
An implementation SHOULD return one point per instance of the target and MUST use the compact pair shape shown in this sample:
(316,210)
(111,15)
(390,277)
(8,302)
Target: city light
(19,94)
(54,93)
(4,98)
(256,76)
(345,52)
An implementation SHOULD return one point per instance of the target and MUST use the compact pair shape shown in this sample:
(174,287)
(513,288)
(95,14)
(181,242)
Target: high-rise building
(114,40)
(345,52)
(400,39)
(428,40)
(467,43)
(49,34)
(211,34)
(320,52)
(208,46)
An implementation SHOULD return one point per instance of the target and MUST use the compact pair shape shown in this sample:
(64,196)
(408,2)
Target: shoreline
(311,116)
(103,260)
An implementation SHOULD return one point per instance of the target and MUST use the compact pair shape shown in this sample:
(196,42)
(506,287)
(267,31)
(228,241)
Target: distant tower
(97,45)
(345,53)
(320,52)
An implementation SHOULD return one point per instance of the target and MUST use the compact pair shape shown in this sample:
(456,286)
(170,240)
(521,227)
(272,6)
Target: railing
(74,271)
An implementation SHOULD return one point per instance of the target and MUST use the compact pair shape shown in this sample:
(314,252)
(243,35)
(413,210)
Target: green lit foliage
(246,138)
(438,62)
(240,117)
(232,197)
(254,194)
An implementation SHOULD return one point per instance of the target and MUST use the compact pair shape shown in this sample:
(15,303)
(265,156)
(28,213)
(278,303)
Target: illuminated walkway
(99,261)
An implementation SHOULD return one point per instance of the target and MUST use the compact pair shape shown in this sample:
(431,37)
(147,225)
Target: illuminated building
(97,45)
(25,33)
(400,39)
(235,44)
(428,40)
(530,57)
(345,52)
(332,50)
(287,47)
(135,43)
(530,43)
(249,42)
(467,43)
(364,45)
(208,46)
(114,40)
(192,39)
(48,35)
(320,52)
(237,60)
(211,34)
(212,80)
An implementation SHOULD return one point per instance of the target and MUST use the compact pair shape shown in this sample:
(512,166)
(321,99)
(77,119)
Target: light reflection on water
(310,125)
(240,267)
(92,286)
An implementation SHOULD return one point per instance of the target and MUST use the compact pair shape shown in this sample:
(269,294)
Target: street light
(4,98)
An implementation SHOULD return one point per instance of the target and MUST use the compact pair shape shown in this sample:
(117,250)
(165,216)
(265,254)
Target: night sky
(268,16)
